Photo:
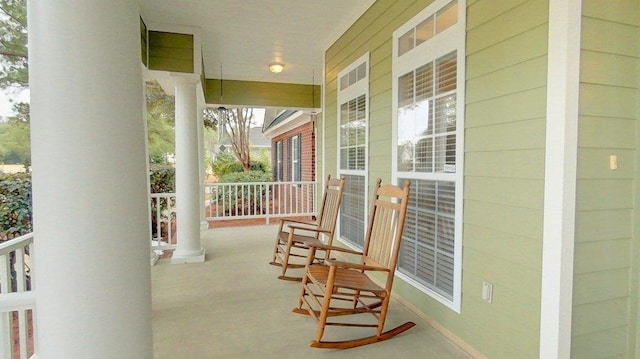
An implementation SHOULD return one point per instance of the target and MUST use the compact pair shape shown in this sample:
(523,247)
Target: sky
(5,103)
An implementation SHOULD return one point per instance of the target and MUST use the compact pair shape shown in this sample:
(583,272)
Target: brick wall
(308,152)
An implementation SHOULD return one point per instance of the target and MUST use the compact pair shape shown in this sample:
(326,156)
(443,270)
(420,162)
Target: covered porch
(232,306)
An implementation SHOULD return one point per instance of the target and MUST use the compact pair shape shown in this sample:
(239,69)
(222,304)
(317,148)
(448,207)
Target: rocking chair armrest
(349,265)
(299,221)
(293,227)
(326,247)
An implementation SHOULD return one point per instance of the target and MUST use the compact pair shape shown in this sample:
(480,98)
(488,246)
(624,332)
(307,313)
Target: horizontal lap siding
(504,172)
(603,321)
(170,51)
(504,160)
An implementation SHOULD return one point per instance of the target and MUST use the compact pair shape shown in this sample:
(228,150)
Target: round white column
(189,248)
(202,166)
(93,283)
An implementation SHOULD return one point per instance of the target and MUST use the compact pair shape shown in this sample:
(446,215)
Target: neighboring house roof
(284,121)
(256,139)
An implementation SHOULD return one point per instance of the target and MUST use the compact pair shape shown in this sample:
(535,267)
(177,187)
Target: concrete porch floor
(233,306)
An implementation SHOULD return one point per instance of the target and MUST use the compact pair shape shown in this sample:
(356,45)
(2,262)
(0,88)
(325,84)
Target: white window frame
(279,159)
(353,91)
(296,158)
(445,42)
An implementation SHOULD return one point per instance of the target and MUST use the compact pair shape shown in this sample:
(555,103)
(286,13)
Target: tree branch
(11,53)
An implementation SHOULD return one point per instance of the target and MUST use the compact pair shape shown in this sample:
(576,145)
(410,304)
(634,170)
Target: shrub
(224,163)
(162,178)
(243,199)
(251,176)
(15,205)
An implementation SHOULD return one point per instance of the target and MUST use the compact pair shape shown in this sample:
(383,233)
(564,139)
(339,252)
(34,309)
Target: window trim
(353,91)
(296,158)
(279,159)
(451,39)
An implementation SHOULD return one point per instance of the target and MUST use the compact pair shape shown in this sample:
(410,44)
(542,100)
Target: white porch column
(187,173)
(93,284)
(202,166)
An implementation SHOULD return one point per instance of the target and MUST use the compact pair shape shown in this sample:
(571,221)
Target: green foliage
(15,205)
(251,176)
(242,200)
(13,44)
(227,163)
(224,163)
(15,143)
(160,123)
(263,160)
(14,135)
(162,178)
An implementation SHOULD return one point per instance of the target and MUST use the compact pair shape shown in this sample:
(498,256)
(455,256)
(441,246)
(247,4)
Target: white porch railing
(163,221)
(266,200)
(17,298)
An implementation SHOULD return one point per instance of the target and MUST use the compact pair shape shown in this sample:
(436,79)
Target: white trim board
(563,80)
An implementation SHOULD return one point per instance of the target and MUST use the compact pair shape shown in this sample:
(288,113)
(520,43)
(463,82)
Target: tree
(235,124)
(14,67)
(14,78)
(160,123)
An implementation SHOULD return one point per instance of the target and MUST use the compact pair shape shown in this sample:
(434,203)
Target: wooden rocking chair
(336,288)
(295,236)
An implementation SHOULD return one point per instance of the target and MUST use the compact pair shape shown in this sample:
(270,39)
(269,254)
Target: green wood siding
(253,93)
(604,322)
(504,171)
(504,160)
(171,52)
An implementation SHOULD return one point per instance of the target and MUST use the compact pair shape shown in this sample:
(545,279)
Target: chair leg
(303,290)
(326,304)
(285,260)
(276,247)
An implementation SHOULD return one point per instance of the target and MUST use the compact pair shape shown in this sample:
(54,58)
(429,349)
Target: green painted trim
(254,93)
(144,43)
(171,52)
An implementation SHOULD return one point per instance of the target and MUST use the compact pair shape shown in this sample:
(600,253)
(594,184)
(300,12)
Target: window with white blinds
(352,214)
(353,126)
(427,117)
(427,252)
(353,95)
(428,87)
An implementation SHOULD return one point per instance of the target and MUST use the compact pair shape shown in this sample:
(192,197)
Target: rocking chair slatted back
(330,205)
(387,218)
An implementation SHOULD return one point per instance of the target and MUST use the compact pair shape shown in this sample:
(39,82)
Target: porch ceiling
(246,36)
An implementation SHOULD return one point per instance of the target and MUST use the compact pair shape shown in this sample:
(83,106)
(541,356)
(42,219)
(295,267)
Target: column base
(180,257)
(153,258)
(204,225)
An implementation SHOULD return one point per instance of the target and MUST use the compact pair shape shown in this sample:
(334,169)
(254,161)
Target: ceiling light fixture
(276,68)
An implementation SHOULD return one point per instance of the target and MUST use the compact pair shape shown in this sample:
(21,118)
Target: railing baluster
(260,200)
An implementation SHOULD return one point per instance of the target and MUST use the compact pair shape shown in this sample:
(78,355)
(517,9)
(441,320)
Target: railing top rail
(163,195)
(12,244)
(17,301)
(258,183)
